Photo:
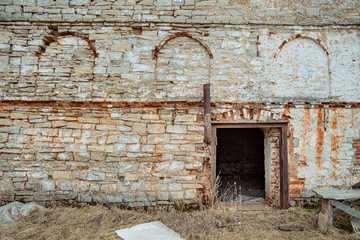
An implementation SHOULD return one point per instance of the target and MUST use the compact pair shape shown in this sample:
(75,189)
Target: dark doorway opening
(240,164)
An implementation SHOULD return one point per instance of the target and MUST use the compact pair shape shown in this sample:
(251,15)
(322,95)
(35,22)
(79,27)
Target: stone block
(112,139)
(143,68)
(163,196)
(13,129)
(65,185)
(108,188)
(115,198)
(190,194)
(131,57)
(5,122)
(105,127)
(62,175)
(74,125)
(3,137)
(38,174)
(36,42)
(4,60)
(24,2)
(65,156)
(42,3)
(176,129)
(49,132)
(148,148)
(176,166)
(15,174)
(5,186)
(28,69)
(88,120)
(116,55)
(185,118)
(119,147)
(80,174)
(5,2)
(156,128)
(163,2)
(223,2)
(129,139)
(123,128)
(97,156)
(313,12)
(133,147)
(116,70)
(129,197)
(32,186)
(158,138)
(95,176)
(177,196)
(197,165)
(139,128)
(175,187)
(79,2)
(100,69)
(168,148)
(82,186)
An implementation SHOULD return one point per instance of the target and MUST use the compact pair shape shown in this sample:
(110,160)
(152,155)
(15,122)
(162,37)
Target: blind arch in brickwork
(66,68)
(182,67)
(302,68)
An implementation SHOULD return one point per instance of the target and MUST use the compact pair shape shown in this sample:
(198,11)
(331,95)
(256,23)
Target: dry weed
(100,222)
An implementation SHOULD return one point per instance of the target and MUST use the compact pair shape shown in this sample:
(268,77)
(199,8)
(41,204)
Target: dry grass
(100,222)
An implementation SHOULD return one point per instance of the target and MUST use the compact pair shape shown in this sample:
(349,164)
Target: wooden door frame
(284,173)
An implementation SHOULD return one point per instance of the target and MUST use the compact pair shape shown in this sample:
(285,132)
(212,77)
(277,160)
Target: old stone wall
(246,65)
(133,156)
(102,100)
(186,11)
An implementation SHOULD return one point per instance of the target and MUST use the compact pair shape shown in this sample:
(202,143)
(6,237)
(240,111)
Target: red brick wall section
(356,145)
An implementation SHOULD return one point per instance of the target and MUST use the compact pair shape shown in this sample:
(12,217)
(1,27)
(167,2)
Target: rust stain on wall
(307,120)
(334,142)
(319,137)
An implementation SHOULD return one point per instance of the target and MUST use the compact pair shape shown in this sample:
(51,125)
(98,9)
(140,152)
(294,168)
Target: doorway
(271,172)
(240,165)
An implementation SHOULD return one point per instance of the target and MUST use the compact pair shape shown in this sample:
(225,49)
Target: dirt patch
(100,222)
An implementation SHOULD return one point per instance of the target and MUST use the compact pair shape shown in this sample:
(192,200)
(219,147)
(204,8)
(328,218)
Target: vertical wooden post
(213,186)
(284,175)
(207,113)
(325,217)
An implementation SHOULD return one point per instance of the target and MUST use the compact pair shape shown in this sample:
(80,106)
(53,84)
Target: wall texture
(102,100)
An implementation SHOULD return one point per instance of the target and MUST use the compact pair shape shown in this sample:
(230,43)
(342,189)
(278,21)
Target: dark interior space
(240,164)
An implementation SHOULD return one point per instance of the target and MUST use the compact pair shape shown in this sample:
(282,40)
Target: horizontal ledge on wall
(182,104)
(148,22)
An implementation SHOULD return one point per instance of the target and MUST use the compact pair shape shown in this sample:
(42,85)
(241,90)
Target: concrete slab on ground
(148,231)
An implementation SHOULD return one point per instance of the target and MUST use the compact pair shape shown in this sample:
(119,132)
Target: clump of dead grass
(100,222)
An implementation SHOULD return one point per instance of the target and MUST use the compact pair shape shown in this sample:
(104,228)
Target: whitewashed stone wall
(245,67)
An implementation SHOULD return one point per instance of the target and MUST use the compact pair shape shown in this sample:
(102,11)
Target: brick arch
(180,77)
(66,67)
(55,35)
(176,35)
(298,36)
(247,114)
(301,69)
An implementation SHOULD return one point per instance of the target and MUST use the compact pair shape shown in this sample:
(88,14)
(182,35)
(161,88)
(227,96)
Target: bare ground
(100,222)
